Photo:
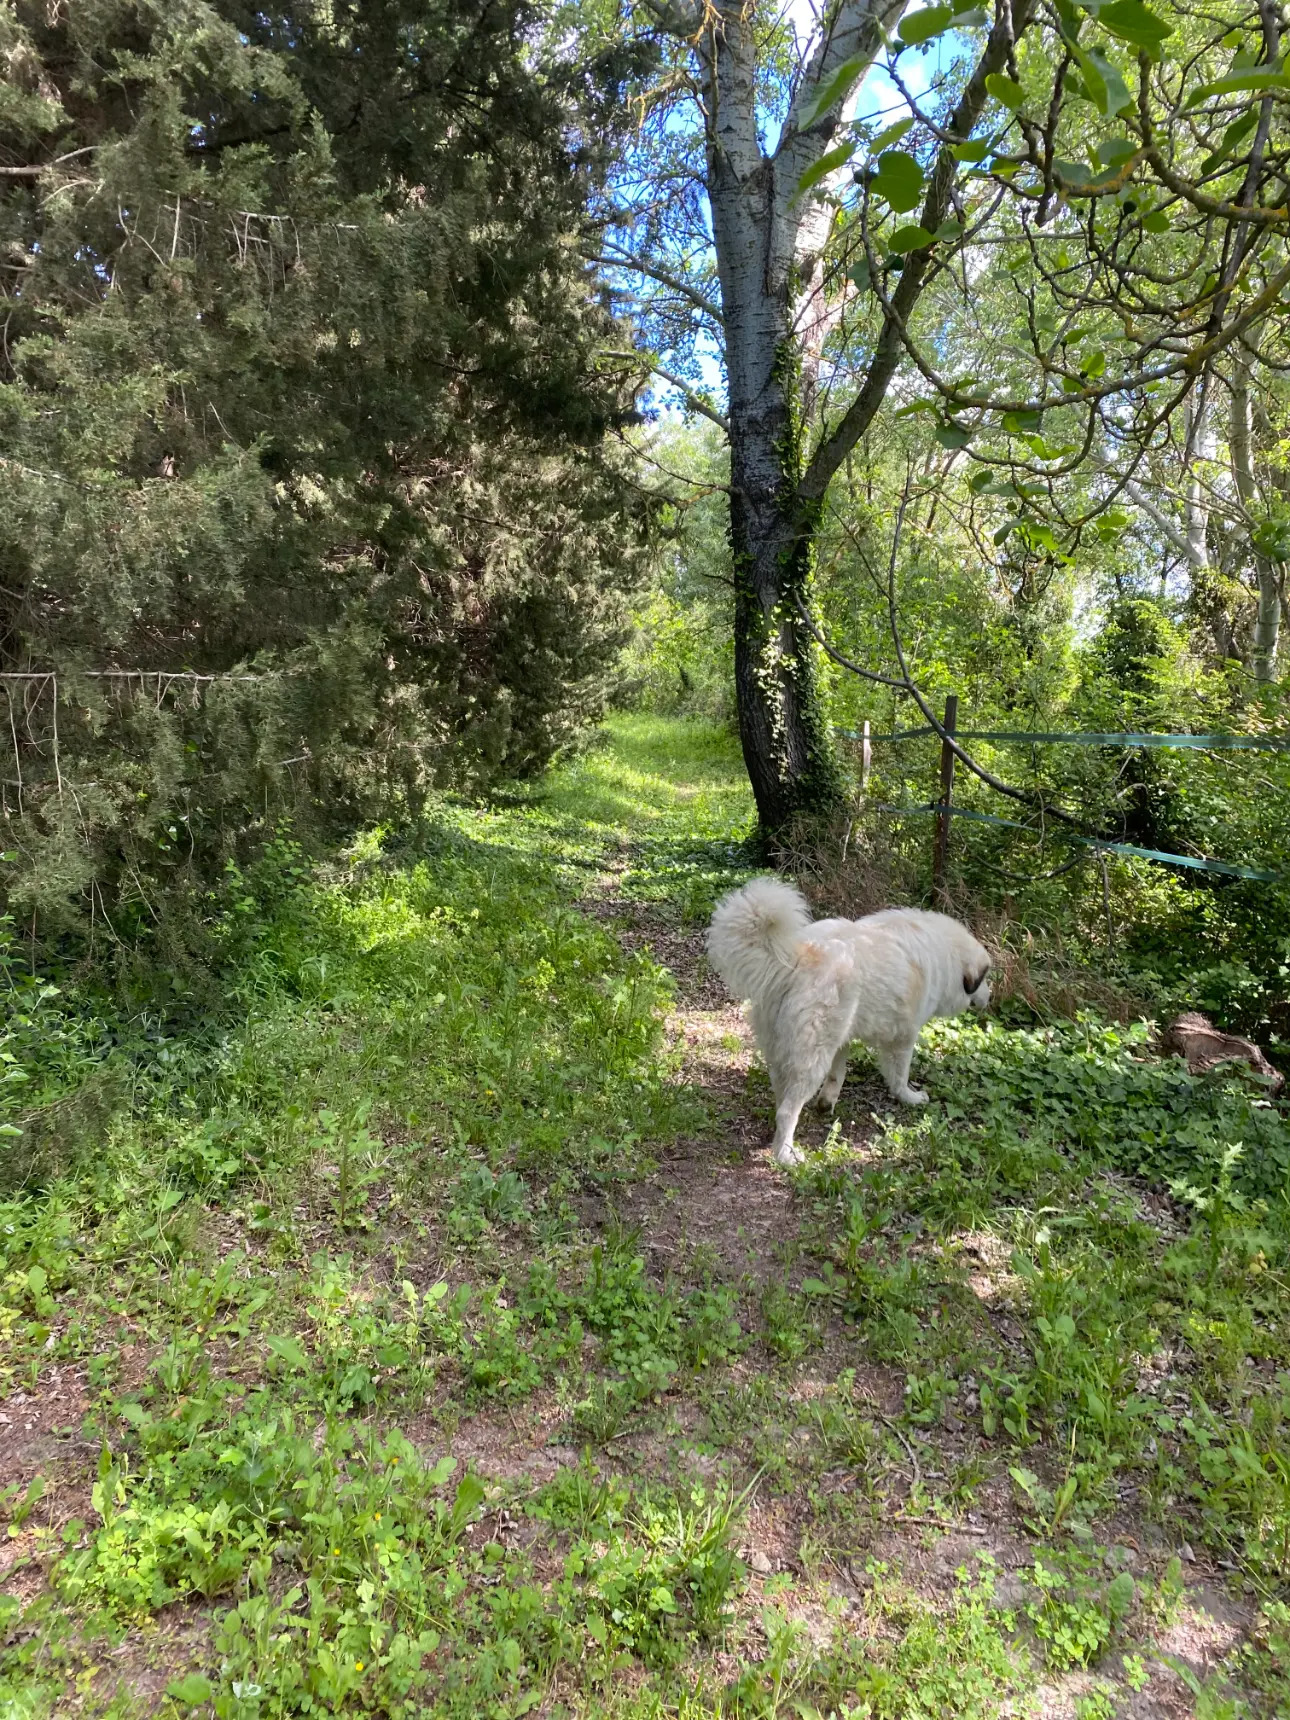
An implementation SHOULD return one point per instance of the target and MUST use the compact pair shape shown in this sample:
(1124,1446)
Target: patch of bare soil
(38,1427)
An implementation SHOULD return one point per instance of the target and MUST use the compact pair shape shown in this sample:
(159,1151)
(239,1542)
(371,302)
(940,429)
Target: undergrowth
(353,1389)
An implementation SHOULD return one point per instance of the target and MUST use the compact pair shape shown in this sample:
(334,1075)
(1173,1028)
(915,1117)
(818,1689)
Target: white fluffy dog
(817,985)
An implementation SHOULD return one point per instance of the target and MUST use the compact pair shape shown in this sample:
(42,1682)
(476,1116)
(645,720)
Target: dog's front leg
(894,1065)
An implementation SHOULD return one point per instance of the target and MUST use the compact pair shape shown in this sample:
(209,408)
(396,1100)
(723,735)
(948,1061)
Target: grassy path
(435,1337)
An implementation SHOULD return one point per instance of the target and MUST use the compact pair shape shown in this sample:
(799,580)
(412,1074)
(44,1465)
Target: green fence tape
(1204,743)
(1223,867)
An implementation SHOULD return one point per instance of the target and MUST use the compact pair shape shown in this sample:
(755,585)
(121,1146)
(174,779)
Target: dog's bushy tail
(754,935)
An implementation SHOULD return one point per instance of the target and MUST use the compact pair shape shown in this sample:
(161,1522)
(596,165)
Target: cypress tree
(306,502)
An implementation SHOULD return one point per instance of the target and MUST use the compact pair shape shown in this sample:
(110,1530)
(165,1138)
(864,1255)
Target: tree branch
(682,18)
(906,682)
(855,33)
(695,400)
(846,663)
(1172,536)
(698,299)
(860,414)
(728,52)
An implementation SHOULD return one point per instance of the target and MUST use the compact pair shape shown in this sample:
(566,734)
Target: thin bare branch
(682,387)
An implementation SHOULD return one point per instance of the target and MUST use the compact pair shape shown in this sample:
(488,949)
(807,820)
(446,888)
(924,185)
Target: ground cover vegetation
(434,1337)
(398,1312)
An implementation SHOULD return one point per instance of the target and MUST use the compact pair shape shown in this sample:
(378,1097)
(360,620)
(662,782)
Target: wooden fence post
(940,854)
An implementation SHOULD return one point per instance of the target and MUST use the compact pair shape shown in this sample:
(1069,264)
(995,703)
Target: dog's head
(976,985)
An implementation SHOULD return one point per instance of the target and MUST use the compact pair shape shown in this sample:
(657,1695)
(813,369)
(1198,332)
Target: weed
(1077,1610)
(674,1579)
(789,1326)
(953,1664)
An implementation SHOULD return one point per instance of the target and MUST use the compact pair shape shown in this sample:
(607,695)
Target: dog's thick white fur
(815,985)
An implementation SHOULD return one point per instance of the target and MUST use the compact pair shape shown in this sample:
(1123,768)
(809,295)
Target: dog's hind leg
(782,1148)
(834,1080)
(799,1087)
(894,1063)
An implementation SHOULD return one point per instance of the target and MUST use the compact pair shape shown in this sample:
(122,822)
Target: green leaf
(1156,222)
(37,1280)
(1071,172)
(953,435)
(1029,1483)
(1005,90)
(892,134)
(1133,22)
(1019,423)
(912,238)
(1271,538)
(947,231)
(1119,1596)
(192,1691)
(858,275)
(972,18)
(821,169)
(1107,89)
(467,1500)
(975,149)
(1115,151)
(1236,133)
(915,406)
(1039,536)
(1265,78)
(834,90)
(922,26)
(289,1351)
(899,180)
(814,1287)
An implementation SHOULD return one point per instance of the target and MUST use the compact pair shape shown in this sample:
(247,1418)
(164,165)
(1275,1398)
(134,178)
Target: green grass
(284,1269)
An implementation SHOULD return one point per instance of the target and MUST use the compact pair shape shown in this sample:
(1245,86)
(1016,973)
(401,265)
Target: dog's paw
(826,1101)
(914,1096)
(789,1155)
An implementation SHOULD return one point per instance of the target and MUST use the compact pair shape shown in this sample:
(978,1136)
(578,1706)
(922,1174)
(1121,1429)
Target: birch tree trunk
(1195,507)
(767,244)
(1267,618)
(769,240)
